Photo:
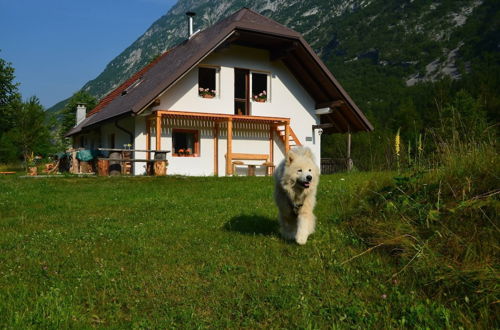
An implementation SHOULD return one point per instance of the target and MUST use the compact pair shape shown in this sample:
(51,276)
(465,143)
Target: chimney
(81,113)
(190,16)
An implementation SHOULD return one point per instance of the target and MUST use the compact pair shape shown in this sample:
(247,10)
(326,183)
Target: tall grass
(438,221)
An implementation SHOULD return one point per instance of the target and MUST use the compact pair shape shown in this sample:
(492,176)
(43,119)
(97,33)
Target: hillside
(370,41)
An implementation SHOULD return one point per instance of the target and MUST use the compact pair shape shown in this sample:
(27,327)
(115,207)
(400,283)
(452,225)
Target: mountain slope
(405,42)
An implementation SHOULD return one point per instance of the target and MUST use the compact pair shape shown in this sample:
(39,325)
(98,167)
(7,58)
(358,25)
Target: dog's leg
(287,229)
(305,226)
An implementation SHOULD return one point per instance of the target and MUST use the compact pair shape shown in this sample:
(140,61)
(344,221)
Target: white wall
(140,144)
(287,98)
(100,138)
(201,165)
(121,138)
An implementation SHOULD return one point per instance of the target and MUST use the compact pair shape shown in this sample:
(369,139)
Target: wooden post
(158,131)
(251,170)
(149,165)
(229,167)
(271,147)
(287,136)
(102,167)
(148,137)
(349,160)
(160,167)
(216,148)
(75,164)
(160,164)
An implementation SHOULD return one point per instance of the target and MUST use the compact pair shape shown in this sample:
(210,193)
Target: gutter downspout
(126,131)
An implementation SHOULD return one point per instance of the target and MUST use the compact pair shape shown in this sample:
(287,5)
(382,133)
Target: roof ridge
(240,13)
(246,10)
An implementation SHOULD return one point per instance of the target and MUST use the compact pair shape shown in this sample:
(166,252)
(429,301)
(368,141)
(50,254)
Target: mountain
(367,44)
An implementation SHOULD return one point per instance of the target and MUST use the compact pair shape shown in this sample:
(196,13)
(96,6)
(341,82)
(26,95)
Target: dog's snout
(309,178)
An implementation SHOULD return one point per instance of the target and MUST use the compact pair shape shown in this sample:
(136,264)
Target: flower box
(206,93)
(261,97)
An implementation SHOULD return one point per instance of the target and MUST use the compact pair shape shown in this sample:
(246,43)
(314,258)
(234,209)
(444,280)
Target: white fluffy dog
(296,181)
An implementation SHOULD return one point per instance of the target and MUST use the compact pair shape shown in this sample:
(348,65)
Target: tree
(30,133)
(68,113)
(8,96)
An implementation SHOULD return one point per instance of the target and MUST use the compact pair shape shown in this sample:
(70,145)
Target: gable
(245,28)
(287,96)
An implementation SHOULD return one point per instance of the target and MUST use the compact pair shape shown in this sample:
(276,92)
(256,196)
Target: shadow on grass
(253,225)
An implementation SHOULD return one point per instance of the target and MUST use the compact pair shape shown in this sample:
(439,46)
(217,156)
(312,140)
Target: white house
(246,88)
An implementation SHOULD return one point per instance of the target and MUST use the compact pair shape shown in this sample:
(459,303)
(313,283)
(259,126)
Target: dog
(296,181)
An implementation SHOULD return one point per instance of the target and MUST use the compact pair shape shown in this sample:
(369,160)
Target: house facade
(245,90)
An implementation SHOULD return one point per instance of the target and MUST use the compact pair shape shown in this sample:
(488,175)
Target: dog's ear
(308,152)
(290,156)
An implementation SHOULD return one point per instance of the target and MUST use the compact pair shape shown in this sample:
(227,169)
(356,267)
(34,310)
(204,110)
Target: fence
(334,165)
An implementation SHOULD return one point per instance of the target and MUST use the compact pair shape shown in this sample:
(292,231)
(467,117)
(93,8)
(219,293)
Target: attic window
(132,86)
(207,82)
(260,90)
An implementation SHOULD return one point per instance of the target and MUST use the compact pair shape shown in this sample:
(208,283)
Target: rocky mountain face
(402,41)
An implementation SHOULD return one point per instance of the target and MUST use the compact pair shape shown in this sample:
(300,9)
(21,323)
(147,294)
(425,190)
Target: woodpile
(32,171)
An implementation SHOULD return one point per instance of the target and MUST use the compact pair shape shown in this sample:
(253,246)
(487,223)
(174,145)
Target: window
(185,143)
(207,82)
(241,102)
(260,89)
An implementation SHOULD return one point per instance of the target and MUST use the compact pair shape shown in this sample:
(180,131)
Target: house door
(241,92)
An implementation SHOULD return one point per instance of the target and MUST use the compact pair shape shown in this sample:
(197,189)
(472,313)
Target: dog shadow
(253,225)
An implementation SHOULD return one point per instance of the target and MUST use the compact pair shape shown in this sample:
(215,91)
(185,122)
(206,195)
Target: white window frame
(217,80)
(269,93)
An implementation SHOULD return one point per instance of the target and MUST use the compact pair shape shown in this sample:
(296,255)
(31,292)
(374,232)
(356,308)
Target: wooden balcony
(155,121)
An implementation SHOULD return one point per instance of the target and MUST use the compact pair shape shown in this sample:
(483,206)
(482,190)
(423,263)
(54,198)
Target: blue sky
(56,46)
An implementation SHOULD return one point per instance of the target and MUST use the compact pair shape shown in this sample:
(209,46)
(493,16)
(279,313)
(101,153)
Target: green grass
(194,252)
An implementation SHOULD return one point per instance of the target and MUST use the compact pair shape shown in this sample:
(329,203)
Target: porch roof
(220,117)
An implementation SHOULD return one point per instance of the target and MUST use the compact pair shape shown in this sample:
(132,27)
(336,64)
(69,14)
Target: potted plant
(206,93)
(261,97)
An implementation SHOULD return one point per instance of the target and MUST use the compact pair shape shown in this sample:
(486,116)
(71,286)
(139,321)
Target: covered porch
(224,126)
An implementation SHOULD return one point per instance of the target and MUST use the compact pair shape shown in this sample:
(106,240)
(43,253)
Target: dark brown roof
(123,87)
(245,27)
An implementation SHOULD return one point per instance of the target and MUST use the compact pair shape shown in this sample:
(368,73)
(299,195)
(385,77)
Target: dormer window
(260,87)
(132,86)
(207,82)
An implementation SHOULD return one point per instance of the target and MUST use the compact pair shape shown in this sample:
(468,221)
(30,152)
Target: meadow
(202,252)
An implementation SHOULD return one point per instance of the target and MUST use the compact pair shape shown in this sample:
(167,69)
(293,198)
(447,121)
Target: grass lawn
(191,252)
